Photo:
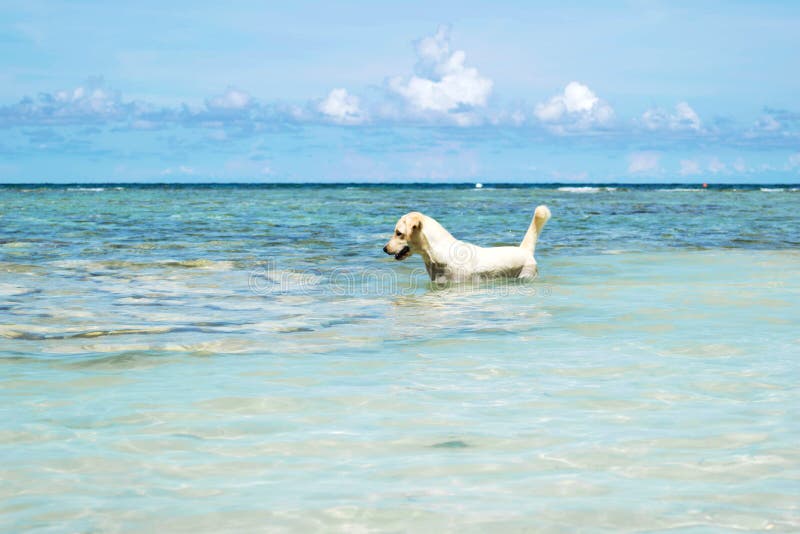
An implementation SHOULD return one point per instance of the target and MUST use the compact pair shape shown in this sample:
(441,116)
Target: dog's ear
(413,222)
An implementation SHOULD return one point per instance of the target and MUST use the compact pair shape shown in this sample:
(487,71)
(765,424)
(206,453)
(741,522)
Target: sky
(633,91)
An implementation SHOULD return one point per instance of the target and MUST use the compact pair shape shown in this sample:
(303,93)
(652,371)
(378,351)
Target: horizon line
(700,184)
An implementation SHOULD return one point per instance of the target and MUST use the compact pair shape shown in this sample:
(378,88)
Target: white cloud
(768,123)
(342,107)
(689,167)
(683,117)
(716,166)
(93,98)
(231,99)
(577,105)
(442,82)
(794,160)
(643,162)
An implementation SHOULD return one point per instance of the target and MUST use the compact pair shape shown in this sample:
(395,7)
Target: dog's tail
(540,218)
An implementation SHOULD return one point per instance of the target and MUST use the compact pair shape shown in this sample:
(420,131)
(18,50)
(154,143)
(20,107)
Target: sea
(245,358)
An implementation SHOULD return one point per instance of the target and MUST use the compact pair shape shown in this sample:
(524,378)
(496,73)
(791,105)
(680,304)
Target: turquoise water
(246,358)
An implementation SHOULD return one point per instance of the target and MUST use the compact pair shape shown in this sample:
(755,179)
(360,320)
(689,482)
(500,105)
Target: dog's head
(406,236)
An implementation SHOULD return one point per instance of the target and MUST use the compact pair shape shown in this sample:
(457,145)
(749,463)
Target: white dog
(449,260)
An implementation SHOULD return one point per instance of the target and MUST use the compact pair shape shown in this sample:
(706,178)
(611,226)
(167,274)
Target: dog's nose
(384,249)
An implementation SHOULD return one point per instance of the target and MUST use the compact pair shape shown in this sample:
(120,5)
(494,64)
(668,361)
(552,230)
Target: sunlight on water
(189,358)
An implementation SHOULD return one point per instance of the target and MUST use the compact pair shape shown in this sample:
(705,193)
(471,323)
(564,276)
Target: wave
(219,265)
(39,334)
(94,189)
(12,290)
(216,265)
(682,189)
(585,189)
(772,189)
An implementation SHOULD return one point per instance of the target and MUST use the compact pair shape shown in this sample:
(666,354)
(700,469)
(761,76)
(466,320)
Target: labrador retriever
(448,259)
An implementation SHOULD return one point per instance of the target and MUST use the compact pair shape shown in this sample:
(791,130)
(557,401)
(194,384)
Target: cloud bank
(443,90)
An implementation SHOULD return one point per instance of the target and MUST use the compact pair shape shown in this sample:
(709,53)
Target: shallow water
(223,358)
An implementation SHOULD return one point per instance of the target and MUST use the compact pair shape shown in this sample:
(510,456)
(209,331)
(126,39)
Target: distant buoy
(705,185)
(478,185)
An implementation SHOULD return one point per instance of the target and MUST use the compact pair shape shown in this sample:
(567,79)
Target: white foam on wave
(214,265)
(772,189)
(11,290)
(583,189)
(86,189)
(70,264)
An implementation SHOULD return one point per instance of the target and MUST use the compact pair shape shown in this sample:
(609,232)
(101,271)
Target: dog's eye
(398,233)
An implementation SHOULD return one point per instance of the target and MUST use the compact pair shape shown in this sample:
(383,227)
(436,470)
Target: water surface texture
(227,358)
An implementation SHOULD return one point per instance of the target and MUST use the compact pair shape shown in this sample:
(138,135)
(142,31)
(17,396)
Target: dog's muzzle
(400,255)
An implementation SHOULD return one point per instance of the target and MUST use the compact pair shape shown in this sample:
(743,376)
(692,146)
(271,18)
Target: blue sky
(640,91)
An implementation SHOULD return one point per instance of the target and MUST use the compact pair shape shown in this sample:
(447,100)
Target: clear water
(246,358)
